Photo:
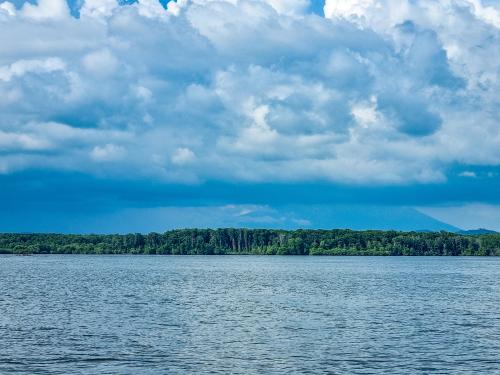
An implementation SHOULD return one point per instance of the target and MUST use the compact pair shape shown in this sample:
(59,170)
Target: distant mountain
(297,216)
(340,217)
(476,231)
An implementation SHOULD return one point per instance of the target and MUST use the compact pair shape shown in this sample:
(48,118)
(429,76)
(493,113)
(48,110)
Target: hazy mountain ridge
(476,231)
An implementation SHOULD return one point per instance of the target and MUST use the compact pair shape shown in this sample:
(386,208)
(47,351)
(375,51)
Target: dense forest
(256,241)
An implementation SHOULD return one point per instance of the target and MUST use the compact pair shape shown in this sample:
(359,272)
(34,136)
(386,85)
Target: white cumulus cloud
(377,92)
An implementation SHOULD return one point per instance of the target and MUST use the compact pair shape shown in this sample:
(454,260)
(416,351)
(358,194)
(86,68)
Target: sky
(139,116)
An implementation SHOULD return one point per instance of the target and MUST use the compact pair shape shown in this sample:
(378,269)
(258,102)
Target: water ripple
(249,315)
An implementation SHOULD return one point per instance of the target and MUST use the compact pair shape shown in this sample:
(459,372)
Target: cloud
(101,62)
(58,146)
(376,92)
(46,10)
(108,152)
(13,141)
(469,174)
(21,67)
(98,8)
(8,8)
(183,156)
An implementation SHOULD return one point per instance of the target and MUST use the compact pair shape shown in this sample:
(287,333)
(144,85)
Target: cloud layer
(375,92)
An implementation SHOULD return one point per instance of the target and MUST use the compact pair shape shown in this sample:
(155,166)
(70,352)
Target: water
(249,315)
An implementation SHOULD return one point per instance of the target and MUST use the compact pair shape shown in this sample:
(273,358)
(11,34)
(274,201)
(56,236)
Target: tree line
(255,241)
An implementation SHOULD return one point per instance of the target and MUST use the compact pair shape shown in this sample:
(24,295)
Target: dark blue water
(249,315)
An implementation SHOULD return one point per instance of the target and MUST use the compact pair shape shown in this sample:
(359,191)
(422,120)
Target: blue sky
(276,113)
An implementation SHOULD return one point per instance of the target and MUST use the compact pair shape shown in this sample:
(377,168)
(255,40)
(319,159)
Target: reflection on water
(248,314)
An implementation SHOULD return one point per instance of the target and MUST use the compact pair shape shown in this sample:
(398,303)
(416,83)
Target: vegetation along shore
(256,241)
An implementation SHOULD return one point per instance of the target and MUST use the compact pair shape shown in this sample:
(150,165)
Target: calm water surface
(249,315)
